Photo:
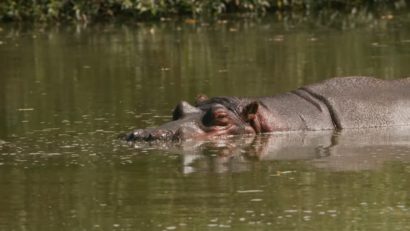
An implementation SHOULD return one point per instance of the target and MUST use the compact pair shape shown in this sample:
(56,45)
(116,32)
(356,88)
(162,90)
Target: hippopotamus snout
(182,129)
(149,135)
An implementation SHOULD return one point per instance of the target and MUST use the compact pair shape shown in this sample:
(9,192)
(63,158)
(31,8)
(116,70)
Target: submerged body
(338,103)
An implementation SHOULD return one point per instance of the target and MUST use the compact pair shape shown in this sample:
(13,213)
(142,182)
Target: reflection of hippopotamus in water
(345,150)
(339,103)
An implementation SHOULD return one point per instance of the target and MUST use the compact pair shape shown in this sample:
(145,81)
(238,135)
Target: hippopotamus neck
(297,110)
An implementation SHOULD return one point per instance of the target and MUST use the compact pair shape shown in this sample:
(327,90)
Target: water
(67,91)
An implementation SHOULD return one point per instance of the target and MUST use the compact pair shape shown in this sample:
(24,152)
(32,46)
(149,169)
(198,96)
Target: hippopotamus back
(357,102)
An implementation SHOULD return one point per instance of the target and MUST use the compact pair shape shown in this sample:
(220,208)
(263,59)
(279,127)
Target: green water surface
(67,91)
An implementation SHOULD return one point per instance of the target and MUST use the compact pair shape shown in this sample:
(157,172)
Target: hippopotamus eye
(216,116)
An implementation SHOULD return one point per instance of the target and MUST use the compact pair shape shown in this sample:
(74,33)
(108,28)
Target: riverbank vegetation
(98,10)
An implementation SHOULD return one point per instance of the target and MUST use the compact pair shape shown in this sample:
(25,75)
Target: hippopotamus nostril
(135,135)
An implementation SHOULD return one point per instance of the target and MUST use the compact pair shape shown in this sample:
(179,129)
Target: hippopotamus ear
(250,110)
(250,115)
(200,99)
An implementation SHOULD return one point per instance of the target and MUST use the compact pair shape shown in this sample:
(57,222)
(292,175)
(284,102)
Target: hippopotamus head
(219,116)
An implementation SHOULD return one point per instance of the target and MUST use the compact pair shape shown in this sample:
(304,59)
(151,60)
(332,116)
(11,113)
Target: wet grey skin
(338,103)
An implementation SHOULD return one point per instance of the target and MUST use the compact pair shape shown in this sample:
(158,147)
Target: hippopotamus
(337,103)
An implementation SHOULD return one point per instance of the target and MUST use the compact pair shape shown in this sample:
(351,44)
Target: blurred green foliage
(87,10)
